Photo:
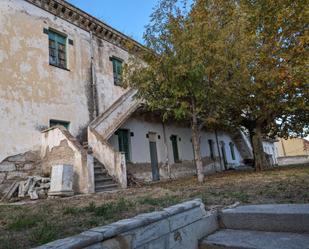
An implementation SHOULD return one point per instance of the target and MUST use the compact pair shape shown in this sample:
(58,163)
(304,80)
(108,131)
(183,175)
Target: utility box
(61,180)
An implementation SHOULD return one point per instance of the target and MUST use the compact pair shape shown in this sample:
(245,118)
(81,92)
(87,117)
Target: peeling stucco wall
(32,92)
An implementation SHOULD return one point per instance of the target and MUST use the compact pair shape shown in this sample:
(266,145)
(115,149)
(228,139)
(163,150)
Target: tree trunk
(260,160)
(196,133)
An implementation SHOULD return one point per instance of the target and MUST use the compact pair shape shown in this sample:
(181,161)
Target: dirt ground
(34,223)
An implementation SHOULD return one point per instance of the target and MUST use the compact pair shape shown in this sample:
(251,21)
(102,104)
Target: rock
(16,175)
(7,167)
(2,177)
(33,195)
(28,166)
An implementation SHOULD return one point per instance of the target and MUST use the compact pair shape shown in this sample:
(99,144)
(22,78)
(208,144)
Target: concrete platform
(240,239)
(276,218)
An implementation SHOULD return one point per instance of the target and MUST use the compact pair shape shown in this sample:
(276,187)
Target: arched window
(232,150)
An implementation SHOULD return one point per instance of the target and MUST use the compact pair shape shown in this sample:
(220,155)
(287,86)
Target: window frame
(211,149)
(60,41)
(117,76)
(232,150)
(64,123)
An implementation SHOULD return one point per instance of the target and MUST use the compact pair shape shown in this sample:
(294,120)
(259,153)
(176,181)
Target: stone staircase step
(244,239)
(108,187)
(292,218)
(103,179)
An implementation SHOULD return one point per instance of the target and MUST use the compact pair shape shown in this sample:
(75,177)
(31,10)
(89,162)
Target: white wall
(139,143)
(270,149)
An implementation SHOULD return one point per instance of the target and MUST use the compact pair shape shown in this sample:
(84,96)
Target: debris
(35,187)
(12,190)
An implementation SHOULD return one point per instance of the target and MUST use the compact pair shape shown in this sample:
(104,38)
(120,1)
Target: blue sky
(127,16)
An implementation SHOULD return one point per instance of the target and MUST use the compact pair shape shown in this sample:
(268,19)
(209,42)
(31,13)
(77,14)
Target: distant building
(293,151)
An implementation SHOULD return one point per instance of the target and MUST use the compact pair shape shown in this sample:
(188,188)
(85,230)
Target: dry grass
(32,224)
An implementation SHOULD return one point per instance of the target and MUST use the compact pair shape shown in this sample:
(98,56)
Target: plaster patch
(3,56)
(25,68)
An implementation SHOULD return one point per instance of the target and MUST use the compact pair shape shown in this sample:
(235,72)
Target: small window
(65,124)
(117,70)
(211,148)
(57,49)
(232,151)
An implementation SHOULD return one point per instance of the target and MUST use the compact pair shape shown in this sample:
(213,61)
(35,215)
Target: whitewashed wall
(139,143)
(270,149)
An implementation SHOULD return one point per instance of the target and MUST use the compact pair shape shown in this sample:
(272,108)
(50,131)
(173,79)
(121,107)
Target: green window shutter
(232,150)
(117,71)
(57,49)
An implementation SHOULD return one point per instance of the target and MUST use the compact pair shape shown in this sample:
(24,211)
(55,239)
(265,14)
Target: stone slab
(272,218)
(243,239)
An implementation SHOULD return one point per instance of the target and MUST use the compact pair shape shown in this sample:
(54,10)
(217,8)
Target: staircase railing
(113,161)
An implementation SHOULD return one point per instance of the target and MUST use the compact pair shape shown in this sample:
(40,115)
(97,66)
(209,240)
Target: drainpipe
(93,80)
(166,151)
(217,141)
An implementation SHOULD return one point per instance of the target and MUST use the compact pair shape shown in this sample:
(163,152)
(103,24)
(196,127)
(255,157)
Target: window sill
(64,68)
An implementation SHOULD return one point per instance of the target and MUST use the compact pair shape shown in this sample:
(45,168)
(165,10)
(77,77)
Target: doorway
(154,156)
(175,148)
(123,141)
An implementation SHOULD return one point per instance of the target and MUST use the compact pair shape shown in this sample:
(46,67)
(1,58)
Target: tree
(183,70)
(268,81)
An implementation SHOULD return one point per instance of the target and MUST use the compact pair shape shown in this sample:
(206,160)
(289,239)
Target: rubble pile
(35,187)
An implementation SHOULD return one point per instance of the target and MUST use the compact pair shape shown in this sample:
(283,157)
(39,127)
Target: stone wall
(292,160)
(180,226)
(60,147)
(18,168)
(142,171)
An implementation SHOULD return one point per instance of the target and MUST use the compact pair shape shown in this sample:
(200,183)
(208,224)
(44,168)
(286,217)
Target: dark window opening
(57,49)
(211,148)
(232,150)
(54,122)
(117,70)
(175,148)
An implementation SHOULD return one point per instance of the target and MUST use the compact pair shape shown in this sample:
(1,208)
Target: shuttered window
(57,49)
(117,71)
(232,151)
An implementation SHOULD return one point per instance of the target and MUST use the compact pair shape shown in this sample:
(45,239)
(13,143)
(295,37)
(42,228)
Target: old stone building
(62,102)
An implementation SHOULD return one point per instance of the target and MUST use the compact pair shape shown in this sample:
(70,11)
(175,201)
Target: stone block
(7,167)
(161,243)
(148,233)
(186,218)
(187,237)
(16,175)
(78,241)
(61,180)
(28,166)
(2,177)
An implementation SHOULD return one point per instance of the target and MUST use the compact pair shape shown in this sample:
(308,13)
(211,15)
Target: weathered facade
(61,66)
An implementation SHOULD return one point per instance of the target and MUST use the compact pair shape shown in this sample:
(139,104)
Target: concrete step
(244,239)
(292,218)
(103,180)
(106,187)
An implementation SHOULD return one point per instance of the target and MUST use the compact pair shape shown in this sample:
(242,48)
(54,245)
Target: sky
(127,16)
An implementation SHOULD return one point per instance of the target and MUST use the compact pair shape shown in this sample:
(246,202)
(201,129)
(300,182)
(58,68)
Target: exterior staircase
(110,165)
(102,180)
(109,121)
(283,226)
(243,145)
